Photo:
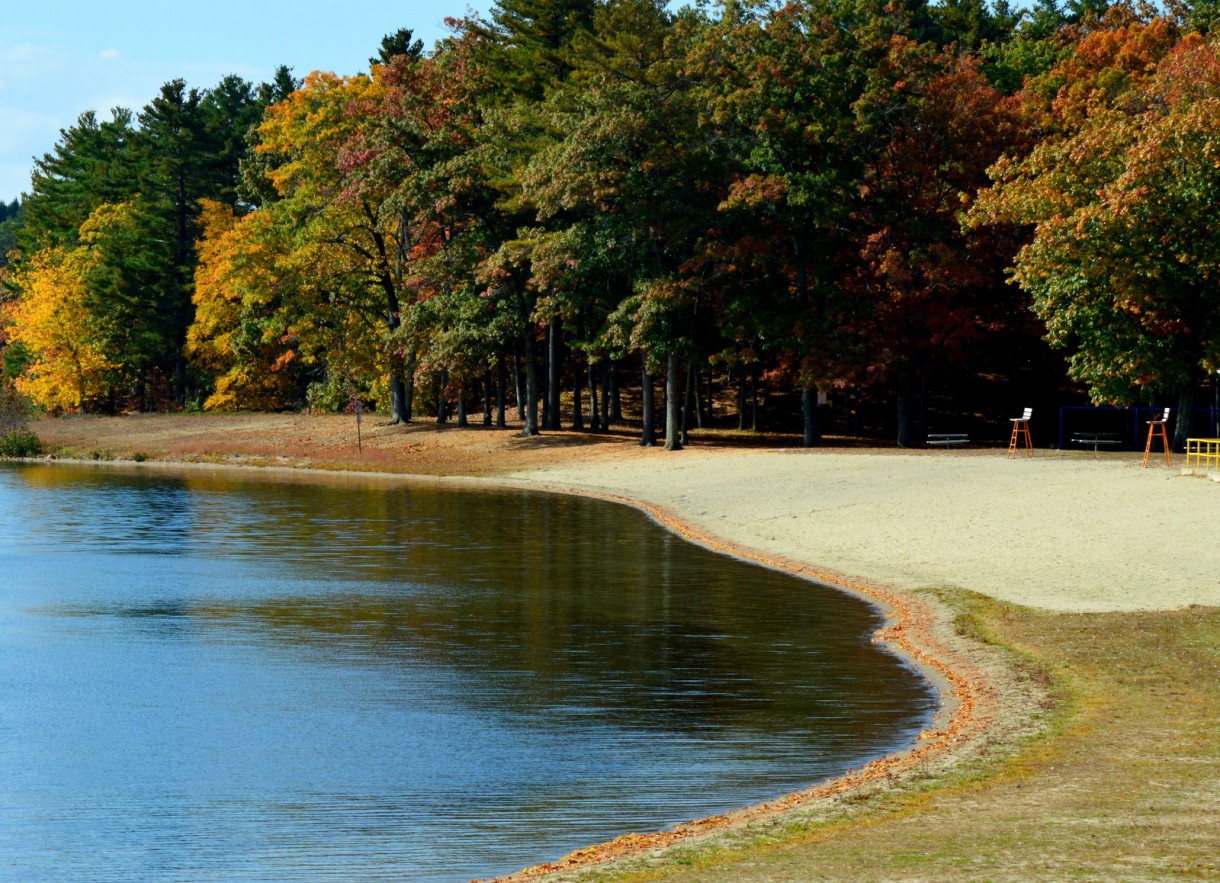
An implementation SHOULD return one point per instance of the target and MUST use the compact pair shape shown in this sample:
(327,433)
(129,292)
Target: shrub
(15,409)
(20,443)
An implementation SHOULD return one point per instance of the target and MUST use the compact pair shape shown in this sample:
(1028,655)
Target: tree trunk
(606,396)
(408,387)
(690,401)
(463,420)
(673,403)
(544,377)
(398,399)
(754,421)
(616,397)
(554,362)
(578,417)
(517,380)
(907,420)
(647,432)
(741,398)
(487,395)
(501,380)
(1186,413)
(710,392)
(809,416)
(442,404)
(659,407)
(531,389)
(595,414)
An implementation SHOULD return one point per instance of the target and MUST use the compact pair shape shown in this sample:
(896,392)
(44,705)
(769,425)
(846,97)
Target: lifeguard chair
(1156,429)
(1020,428)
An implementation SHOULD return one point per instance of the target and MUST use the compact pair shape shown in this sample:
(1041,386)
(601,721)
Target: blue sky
(61,59)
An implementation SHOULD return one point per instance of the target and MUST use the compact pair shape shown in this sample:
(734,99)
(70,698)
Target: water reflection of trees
(96,510)
(531,602)
(547,602)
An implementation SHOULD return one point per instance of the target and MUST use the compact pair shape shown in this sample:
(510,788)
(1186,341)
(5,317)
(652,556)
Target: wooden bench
(947,439)
(1097,439)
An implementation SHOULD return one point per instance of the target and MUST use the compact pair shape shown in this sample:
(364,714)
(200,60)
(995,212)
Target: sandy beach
(1051,531)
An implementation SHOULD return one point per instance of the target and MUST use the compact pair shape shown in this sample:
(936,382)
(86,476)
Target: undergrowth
(20,443)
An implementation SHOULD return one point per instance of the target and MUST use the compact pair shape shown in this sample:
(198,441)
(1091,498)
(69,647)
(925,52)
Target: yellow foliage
(235,273)
(53,321)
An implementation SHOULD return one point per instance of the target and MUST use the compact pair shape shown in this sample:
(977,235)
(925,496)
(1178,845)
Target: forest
(830,215)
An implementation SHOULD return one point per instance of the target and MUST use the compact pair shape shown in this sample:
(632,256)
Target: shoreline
(1059,531)
(916,629)
(1067,588)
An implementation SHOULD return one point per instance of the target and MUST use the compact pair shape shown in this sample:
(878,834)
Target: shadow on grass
(629,434)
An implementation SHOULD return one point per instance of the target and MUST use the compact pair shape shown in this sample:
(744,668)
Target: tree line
(569,197)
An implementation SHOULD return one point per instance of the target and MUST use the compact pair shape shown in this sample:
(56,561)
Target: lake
(209,676)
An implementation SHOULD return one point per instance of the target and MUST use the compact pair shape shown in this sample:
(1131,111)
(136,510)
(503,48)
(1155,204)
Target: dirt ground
(325,441)
(1071,602)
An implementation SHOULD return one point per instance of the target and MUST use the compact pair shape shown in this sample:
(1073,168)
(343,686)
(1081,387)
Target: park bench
(947,439)
(1097,439)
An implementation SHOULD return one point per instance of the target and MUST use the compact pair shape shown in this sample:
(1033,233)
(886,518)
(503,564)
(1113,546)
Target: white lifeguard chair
(1156,429)
(1020,428)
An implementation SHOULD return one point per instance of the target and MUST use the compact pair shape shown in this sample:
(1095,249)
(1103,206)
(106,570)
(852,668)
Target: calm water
(205,678)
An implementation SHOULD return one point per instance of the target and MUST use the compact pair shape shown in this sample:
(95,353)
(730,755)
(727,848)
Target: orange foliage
(233,264)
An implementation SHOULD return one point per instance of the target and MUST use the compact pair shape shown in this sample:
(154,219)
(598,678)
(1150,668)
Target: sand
(1050,531)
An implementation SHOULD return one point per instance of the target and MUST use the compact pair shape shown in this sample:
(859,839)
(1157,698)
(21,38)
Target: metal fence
(1128,423)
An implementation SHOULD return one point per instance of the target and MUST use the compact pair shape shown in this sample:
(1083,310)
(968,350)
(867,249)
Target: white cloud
(24,63)
(110,54)
(23,135)
(16,127)
(22,53)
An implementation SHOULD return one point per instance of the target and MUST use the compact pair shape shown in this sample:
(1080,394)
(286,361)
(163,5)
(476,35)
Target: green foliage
(526,46)
(20,443)
(398,43)
(15,357)
(11,218)
(769,185)
(93,164)
(1117,267)
(1201,16)
(133,306)
(127,189)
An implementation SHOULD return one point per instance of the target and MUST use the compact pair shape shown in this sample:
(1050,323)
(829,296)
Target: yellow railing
(1203,454)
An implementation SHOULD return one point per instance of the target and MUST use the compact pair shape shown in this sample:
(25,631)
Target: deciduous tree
(68,368)
(1117,267)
